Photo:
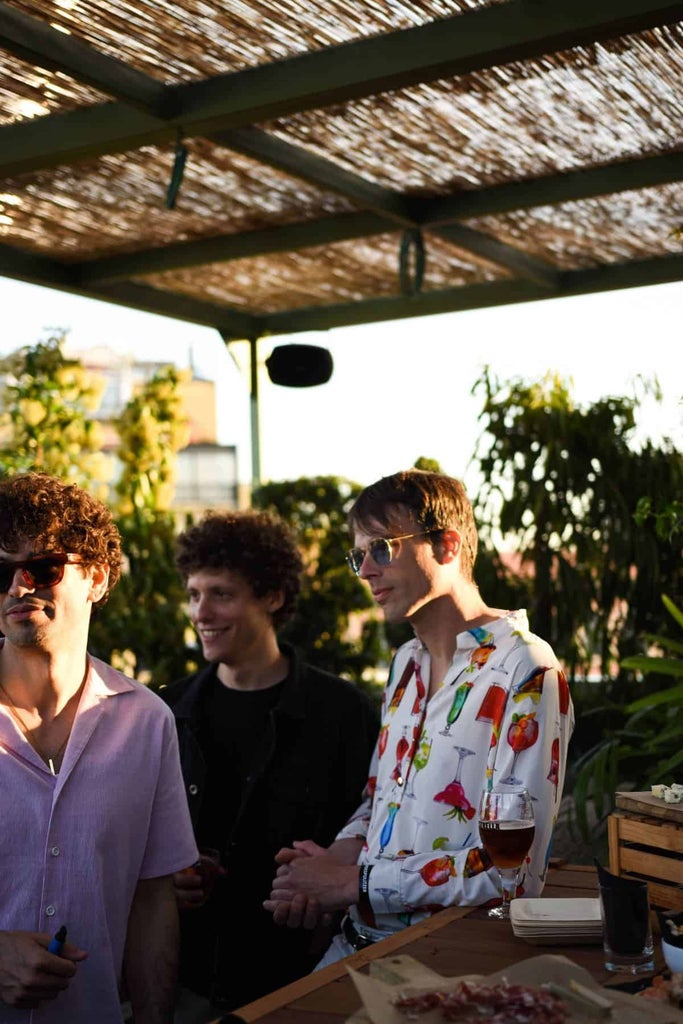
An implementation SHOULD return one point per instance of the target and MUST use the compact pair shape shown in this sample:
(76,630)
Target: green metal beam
(519,263)
(644,172)
(229,322)
(317,170)
(233,324)
(486,37)
(34,269)
(663,270)
(36,42)
(48,273)
(223,248)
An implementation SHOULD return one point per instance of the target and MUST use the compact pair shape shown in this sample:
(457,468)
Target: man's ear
(273,601)
(99,578)
(451,544)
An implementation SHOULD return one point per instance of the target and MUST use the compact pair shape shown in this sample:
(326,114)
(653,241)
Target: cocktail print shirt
(502,714)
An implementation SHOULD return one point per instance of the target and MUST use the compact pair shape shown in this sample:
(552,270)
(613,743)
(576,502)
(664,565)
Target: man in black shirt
(273,751)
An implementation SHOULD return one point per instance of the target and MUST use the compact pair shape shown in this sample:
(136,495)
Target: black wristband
(364,887)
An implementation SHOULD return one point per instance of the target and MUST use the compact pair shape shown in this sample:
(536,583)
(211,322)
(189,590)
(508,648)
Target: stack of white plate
(560,921)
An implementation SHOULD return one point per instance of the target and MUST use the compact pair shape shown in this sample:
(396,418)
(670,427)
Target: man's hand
(29,975)
(309,884)
(306,848)
(192,886)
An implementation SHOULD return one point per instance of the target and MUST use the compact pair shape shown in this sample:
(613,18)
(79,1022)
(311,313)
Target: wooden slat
(664,875)
(641,862)
(662,836)
(646,803)
(614,845)
(665,896)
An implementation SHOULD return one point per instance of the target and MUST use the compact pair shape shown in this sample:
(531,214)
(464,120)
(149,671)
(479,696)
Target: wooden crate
(646,841)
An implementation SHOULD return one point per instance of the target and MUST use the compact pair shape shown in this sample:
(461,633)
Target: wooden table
(460,940)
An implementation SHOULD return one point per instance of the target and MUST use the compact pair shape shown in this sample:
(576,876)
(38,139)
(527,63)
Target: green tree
(573,492)
(144,629)
(152,429)
(45,421)
(562,483)
(45,408)
(641,742)
(336,625)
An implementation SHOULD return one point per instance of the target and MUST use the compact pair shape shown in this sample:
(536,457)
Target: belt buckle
(355,937)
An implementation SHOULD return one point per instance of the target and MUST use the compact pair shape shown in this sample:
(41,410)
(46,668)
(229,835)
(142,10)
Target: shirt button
(193,790)
(50,910)
(55,851)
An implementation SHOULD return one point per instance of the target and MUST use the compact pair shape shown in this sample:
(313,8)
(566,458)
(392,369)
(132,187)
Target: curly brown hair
(435,501)
(58,516)
(258,545)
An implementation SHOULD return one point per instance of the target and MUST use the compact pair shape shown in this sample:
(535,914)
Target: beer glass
(506,831)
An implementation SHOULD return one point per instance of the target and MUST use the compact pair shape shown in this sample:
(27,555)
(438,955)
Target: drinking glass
(506,831)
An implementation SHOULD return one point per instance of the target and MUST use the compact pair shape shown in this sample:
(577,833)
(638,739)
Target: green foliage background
(336,624)
(593,515)
(595,518)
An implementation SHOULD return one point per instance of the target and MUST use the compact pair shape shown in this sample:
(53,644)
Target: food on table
(665,990)
(672,794)
(473,1002)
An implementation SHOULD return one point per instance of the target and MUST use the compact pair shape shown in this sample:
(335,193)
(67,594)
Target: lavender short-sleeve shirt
(74,846)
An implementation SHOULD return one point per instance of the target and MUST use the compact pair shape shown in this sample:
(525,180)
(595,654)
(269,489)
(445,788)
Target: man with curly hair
(94,817)
(273,750)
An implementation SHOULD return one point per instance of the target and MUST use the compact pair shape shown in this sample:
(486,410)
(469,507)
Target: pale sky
(399,390)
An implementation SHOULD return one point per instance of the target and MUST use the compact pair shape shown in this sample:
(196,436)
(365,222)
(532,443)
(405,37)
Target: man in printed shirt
(474,699)
(92,805)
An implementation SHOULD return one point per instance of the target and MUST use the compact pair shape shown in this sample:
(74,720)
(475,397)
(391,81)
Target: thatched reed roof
(345,160)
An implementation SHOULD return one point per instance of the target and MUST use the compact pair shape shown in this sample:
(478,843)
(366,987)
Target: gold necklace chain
(14,711)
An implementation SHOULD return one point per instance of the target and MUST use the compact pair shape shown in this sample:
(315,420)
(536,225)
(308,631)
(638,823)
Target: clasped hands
(310,883)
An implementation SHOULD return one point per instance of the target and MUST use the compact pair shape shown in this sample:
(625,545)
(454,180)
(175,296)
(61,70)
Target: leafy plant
(644,743)
(336,625)
(46,402)
(148,605)
(561,486)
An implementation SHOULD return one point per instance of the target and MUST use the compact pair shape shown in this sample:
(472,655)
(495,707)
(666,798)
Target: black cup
(627,927)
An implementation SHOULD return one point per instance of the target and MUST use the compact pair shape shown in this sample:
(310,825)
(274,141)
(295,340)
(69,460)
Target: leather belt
(355,938)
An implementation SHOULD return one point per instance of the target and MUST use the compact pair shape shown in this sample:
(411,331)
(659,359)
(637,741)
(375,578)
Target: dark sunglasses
(43,571)
(380,550)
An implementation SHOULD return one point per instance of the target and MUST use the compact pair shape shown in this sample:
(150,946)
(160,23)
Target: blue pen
(57,942)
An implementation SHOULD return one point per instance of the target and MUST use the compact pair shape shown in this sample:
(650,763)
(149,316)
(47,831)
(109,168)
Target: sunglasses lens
(45,572)
(355,559)
(38,572)
(380,551)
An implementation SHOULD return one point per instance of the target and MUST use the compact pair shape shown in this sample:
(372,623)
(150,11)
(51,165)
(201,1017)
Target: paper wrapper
(403,975)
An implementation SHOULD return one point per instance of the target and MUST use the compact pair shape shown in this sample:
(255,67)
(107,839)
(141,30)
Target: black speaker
(299,366)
